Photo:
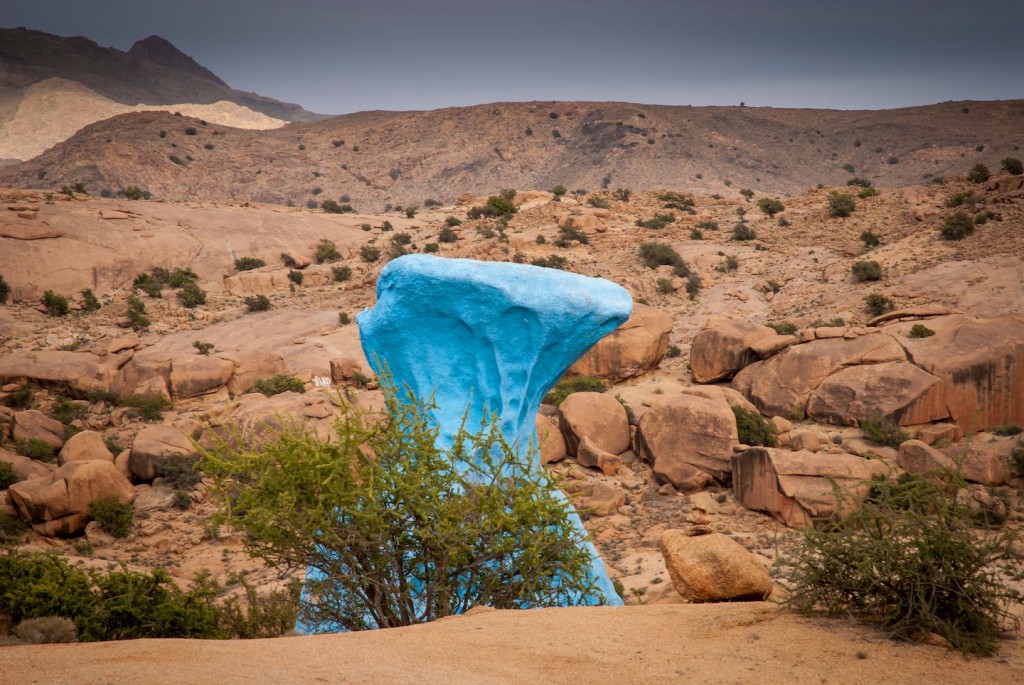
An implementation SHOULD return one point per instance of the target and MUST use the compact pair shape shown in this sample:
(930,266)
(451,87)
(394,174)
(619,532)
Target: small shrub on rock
(870,239)
(295,276)
(840,204)
(741,231)
(919,330)
(327,251)
(7,477)
(56,305)
(257,303)
(782,327)
(34,448)
(658,221)
(957,226)
(568,386)
(277,384)
(113,515)
(46,630)
(770,206)
(979,173)
(369,253)
(89,301)
(753,428)
(654,255)
(447,235)
(21,397)
(203,348)
(5,290)
(1012,165)
(191,296)
(248,263)
(884,431)
(866,271)
(341,273)
(878,304)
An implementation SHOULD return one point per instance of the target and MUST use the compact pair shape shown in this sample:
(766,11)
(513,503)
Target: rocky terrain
(658,451)
(375,159)
(51,86)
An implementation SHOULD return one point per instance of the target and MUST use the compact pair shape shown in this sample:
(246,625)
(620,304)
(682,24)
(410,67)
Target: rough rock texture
(496,335)
(250,366)
(589,454)
(781,384)
(723,347)
(688,441)
(198,375)
(711,567)
(636,346)
(253,417)
(24,467)
(917,457)
(981,365)
(897,390)
(596,416)
(155,447)
(58,504)
(550,442)
(84,446)
(35,425)
(80,371)
(796,487)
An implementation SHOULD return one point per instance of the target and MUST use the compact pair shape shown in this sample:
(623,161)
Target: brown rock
(345,369)
(550,442)
(157,446)
(780,385)
(251,366)
(143,366)
(24,467)
(711,567)
(805,440)
(723,347)
(796,487)
(80,371)
(770,344)
(58,504)
(34,425)
(938,431)
(84,446)
(986,466)
(589,454)
(596,416)
(688,441)
(631,349)
(198,375)
(897,390)
(599,499)
(917,457)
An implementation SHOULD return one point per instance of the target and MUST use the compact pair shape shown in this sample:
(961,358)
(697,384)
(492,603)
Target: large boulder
(81,371)
(24,467)
(84,446)
(251,366)
(711,567)
(723,347)
(797,487)
(35,425)
(636,346)
(58,504)
(198,375)
(596,416)
(688,441)
(781,385)
(897,390)
(254,418)
(148,369)
(158,447)
(550,442)
(981,365)
(917,457)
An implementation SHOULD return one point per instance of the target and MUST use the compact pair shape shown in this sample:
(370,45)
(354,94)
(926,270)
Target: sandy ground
(732,643)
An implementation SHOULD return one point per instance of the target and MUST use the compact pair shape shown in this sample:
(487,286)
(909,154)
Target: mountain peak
(160,51)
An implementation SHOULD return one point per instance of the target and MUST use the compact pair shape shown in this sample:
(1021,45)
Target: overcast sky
(345,56)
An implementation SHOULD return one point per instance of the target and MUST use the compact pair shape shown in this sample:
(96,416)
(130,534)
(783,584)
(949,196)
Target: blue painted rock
(493,336)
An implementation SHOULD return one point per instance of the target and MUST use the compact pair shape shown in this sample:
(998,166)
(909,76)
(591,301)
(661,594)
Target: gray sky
(345,56)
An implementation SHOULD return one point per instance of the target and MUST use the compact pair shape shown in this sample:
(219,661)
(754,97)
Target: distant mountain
(160,51)
(152,73)
(372,159)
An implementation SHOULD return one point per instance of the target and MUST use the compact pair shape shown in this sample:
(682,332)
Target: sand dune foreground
(732,643)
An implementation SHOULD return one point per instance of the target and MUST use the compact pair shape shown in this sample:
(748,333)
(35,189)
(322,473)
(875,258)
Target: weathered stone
(688,441)
(805,440)
(35,425)
(345,369)
(917,457)
(986,466)
(250,366)
(80,371)
(897,390)
(711,567)
(58,504)
(638,345)
(198,375)
(84,446)
(782,425)
(596,416)
(143,367)
(550,442)
(723,347)
(770,344)
(24,467)
(797,487)
(934,432)
(599,499)
(589,454)
(155,447)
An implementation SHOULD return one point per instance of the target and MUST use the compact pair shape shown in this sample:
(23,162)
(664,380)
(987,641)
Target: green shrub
(658,221)
(599,201)
(892,159)
(5,290)
(919,330)
(332,207)
(295,276)
(248,263)
(672,352)
(496,206)
(447,235)
(665,286)
(34,448)
(279,383)
(559,190)
(136,313)
(568,386)
(909,558)
(288,260)
(113,515)
(741,231)
(67,410)
(135,193)
(782,327)
(770,206)
(1017,458)
(568,234)
(693,286)
(343,319)
(979,173)
(866,271)
(89,301)
(673,200)
(191,296)
(654,255)
(341,273)
(257,303)
(410,211)
(146,407)
(865,193)
(965,197)
(753,428)
(56,305)
(957,226)
(327,251)
(1012,165)
(551,262)
(369,253)
(707,225)
(870,239)
(731,263)
(381,503)
(46,630)
(431,248)
(7,477)
(840,204)
(884,431)
(203,348)
(451,222)
(20,398)
(878,304)
(1008,429)
(622,194)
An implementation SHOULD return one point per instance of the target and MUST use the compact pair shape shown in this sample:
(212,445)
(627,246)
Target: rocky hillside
(378,158)
(43,78)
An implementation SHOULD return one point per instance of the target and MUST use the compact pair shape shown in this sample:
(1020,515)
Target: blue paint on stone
(492,336)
